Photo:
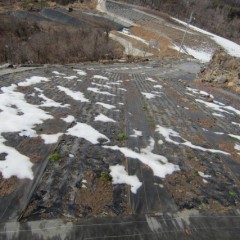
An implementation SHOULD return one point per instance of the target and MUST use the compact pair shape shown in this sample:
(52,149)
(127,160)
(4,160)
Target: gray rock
(237,82)
(221,79)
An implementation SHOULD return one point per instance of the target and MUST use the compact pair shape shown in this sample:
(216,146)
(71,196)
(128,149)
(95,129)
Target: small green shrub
(232,194)
(121,136)
(105,177)
(202,206)
(216,155)
(54,157)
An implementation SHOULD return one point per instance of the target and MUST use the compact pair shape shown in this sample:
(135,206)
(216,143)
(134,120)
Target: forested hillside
(218,16)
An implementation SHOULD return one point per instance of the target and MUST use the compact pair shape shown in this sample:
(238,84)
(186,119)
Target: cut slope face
(223,71)
(163,34)
(141,134)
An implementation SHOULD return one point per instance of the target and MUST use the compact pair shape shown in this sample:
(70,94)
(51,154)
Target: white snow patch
(232,109)
(237,147)
(101,85)
(137,133)
(219,133)
(237,124)
(58,73)
(160,142)
(70,77)
(205,181)
(15,164)
(199,92)
(232,48)
(122,89)
(51,103)
(201,174)
(38,90)
(28,133)
(190,94)
(21,117)
(96,90)
(218,115)
(103,118)
(100,77)
(159,164)
(217,107)
(83,130)
(167,133)
(50,138)
(80,72)
(114,83)
(151,80)
(234,136)
(219,103)
(134,37)
(201,55)
(68,119)
(79,96)
(193,90)
(149,95)
(108,106)
(203,93)
(33,80)
(158,86)
(120,176)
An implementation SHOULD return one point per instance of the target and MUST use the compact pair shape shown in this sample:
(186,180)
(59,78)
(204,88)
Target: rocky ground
(222,71)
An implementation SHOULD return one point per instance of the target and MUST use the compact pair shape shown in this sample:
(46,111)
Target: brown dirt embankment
(222,71)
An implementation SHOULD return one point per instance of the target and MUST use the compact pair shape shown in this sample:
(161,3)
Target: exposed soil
(96,197)
(149,36)
(206,122)
(223,71)
(8,186)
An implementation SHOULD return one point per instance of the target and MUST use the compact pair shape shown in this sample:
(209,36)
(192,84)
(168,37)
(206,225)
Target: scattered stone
(221,79)
(223,70)
(210,99)
(237,82)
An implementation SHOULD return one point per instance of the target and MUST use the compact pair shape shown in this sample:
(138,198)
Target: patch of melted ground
(8,186)
(216,190)
(96,196)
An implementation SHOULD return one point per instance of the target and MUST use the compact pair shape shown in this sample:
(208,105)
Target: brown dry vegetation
(35,5)
(7,186)
(149,36)
(27,42)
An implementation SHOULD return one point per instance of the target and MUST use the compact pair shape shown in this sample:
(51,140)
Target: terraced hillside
(120,150)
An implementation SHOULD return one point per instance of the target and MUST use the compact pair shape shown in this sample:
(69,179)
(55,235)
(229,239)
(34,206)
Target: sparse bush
(54,157)
(121,136)
(106,177)
(25,42)
(232,194)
